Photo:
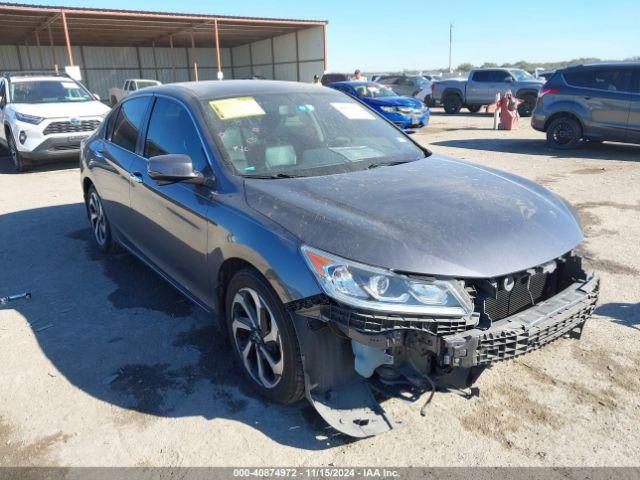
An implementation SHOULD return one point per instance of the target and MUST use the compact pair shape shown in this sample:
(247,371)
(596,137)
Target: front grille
(371,322)
(67,127)
(70,146)
(507,344)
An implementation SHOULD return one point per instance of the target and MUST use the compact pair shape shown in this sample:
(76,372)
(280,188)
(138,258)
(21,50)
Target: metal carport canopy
(48,25)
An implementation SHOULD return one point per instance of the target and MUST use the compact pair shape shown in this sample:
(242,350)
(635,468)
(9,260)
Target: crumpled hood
(436,216)
(394,102)
(62,110)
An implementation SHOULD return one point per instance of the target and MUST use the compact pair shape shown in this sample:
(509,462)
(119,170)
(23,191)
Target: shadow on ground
(118,332)
(588,151)
(6,166)
(627,314)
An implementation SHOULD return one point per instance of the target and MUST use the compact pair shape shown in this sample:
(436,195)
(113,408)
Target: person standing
(357,76)
(316,81)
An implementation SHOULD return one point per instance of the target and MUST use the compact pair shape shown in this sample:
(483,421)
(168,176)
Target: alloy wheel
(257,338)
(97,219)
(563,133)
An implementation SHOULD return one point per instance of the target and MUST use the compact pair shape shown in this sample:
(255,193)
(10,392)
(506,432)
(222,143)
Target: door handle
(135,177)
(587,97)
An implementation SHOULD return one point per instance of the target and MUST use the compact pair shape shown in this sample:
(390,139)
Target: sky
(392,35)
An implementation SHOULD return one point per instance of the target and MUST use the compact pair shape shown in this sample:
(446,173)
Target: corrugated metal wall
(295,56)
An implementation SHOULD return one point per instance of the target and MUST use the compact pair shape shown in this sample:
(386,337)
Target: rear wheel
(113,101)
(474,108)
(452,104)
(564,133)
(99,222)
(527,105)
(19,162)
(263,338)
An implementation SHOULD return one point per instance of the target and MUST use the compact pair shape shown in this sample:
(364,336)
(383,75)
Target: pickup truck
(482,86)
(130,85)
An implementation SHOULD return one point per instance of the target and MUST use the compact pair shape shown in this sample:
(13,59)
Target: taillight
(547,91)
(433,88)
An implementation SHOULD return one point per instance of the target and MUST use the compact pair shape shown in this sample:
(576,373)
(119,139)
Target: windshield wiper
(277,175)
(387,164)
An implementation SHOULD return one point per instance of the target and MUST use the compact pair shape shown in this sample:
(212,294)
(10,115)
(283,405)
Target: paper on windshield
(69,85)
(355,154)
(352,111)
(239,107)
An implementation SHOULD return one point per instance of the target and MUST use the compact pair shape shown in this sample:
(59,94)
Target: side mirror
(509,79)
(96,96)
(174,168)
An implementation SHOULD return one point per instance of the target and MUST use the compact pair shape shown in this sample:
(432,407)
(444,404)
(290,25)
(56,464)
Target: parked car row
(293,219)
(482,86)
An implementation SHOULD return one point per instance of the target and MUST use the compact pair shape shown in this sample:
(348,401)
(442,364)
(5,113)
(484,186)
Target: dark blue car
(405,112)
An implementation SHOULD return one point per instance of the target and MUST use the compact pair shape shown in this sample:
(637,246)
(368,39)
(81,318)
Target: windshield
(521,75)
(373,90)
(48,91)
(304,134)
(147,83)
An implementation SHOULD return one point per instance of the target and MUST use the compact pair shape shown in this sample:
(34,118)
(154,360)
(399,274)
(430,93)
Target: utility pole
(450,45)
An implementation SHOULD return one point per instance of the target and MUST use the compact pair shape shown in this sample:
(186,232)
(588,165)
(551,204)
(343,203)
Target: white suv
(45,116)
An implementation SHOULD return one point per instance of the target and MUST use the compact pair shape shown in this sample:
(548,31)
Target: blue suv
(594,102)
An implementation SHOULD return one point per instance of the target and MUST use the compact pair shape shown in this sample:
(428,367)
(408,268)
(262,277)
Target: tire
(474,108)
(113,101)
(564,133)
(19,162)
(526,107)
(269,359)
(100,225)
(452,104)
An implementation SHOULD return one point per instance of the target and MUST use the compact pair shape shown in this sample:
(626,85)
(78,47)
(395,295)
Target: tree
(489,65)
(465,67)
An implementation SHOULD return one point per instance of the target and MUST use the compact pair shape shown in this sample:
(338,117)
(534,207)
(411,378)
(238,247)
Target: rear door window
(171,131)
(128,122)
(610,79)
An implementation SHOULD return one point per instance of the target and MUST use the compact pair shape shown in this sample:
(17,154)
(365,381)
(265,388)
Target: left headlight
(390,109)
(374,288)
(32,119)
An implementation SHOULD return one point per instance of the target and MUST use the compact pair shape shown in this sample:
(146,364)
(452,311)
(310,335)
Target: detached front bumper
(565,313)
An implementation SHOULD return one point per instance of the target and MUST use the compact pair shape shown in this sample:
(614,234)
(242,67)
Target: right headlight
(390,109)
(374,288)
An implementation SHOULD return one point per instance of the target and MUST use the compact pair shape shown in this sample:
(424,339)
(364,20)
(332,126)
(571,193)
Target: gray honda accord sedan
(341,257)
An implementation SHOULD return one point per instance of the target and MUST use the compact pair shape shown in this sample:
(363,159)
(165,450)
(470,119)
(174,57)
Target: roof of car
(228,88)
(607,64)
(352,83)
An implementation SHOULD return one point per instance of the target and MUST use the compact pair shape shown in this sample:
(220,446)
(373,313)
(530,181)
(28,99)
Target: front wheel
(264,338)
(19,162)
(526,107)
(564,133)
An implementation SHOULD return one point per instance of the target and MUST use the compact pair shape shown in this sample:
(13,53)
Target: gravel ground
(107,365)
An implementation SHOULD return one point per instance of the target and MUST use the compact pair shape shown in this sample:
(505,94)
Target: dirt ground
(108,365)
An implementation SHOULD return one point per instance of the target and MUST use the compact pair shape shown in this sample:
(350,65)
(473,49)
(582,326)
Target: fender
(268,247)
(583,115)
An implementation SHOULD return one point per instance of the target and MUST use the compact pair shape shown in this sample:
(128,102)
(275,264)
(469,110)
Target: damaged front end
(350,352)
